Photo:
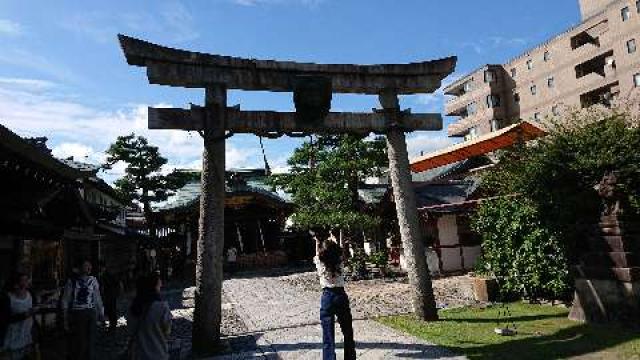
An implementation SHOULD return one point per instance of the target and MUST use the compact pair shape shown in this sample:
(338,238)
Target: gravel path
(373,298)
(112,344)
(282,321)
(277,317)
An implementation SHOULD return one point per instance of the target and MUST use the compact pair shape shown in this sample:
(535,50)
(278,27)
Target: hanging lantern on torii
(312,86)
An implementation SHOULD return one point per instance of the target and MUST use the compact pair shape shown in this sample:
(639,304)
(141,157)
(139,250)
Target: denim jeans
(335,304)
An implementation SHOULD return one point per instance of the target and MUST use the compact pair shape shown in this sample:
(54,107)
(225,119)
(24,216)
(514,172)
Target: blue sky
(62,74)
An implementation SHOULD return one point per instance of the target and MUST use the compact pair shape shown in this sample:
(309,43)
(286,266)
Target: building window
(516,98)
(495,124)
(489,76)
(534,89)
(626,13)
(631,46)
(529,64)
(551,82)
(638,6)
(514,71)
(472,108)
(468,86)
(547,56)
(536,116)
(636,80)
(493,101)
(472,134)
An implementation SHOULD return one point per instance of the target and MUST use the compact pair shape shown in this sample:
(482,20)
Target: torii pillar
(207,316)
(312,85)
(424,305)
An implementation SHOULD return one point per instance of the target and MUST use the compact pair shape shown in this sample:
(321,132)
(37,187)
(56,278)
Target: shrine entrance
(312,86)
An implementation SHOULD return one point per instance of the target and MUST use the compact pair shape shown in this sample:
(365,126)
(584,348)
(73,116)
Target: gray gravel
(276,317)
(282,319)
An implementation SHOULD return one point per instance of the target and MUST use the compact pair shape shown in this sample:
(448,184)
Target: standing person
(82,307)
(17,318)
(149,321)
(334,302)
(110,289)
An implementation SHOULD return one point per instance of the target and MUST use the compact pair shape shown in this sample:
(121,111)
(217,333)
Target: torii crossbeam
(312,86)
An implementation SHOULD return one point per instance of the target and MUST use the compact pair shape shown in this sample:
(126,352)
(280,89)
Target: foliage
(357,263)
(559,172)
(379,258)
(143,181)
(526,258)
(325,177)
(555,178)
(544,332)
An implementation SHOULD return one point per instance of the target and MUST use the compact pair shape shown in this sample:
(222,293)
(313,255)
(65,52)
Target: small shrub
(357,263)
(379,258)
(527,259)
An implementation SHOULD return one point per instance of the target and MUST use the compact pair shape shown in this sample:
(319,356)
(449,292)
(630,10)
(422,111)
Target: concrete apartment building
(593,62)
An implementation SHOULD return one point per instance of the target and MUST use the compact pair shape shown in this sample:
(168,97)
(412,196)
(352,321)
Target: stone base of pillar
(600,301)
(607,287)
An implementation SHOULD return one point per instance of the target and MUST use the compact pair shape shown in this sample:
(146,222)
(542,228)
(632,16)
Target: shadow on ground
(248,345)
(578,340)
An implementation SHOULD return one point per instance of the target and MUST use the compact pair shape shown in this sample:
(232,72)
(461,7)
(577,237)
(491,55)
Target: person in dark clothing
(149,321)
(82,308)
(335,301)
(110,290)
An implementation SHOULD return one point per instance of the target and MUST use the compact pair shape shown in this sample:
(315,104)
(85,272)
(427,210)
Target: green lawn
(544,332)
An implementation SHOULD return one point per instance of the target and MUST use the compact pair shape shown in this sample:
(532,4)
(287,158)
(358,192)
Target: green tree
(325,177)
(143,182)
(555,178)
(527,258)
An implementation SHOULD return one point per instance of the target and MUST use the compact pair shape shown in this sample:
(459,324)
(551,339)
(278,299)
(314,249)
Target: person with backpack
(334,302)
(149,321)
(82,308)
(16,319)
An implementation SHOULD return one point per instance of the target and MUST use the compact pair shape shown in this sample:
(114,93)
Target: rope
(267,169)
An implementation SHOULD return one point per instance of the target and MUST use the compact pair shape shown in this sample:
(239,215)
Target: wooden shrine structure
(312,86)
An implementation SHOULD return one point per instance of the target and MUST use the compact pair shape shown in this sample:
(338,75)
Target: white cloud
(80,152)
(482,46)
(85,133)
(41,65)
(179,22)
(10,28)
(434,103)
(173,23)
(26,84)
(424,142)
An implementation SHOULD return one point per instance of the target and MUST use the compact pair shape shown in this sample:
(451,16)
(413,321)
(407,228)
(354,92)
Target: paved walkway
(283,323)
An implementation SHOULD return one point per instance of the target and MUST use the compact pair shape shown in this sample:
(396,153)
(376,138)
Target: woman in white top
(18,317)
(334,302)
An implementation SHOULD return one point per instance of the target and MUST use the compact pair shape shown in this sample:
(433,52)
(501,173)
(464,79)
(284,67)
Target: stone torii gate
(312,86)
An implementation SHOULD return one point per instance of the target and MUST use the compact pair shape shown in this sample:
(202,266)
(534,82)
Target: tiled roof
(449,192)
(189,194)
(25,149)
(84,167)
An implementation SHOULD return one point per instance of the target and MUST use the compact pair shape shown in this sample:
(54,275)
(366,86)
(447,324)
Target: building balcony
(457,105)
(481,118)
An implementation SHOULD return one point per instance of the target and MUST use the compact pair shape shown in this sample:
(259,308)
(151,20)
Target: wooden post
(208,295)
(423,300)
